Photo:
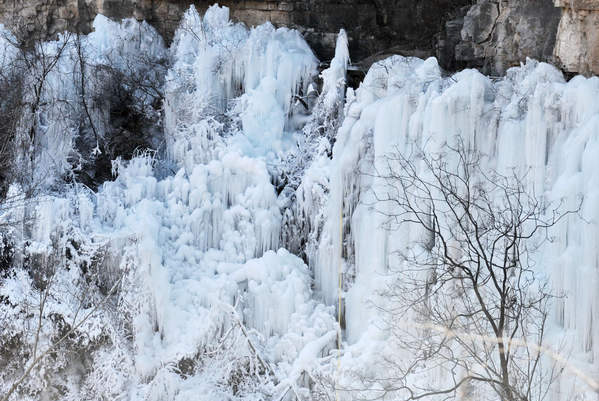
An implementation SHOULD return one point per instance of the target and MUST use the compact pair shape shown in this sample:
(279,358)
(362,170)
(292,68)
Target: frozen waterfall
(260,162)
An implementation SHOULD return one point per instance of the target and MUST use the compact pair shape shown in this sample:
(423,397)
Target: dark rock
(448,41)
(480,22)
(492,35)
(498,34)
(373,26)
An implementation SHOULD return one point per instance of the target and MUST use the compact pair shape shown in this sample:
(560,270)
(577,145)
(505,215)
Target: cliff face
(577,45)
(491,35)
(497,35)
(407,26)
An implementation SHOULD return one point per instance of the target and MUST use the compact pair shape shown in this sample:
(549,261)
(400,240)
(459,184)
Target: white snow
(197,251)
(198,240)
(531,120)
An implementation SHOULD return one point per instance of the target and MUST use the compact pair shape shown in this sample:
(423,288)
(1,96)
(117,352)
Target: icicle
(334,77)
(531,122)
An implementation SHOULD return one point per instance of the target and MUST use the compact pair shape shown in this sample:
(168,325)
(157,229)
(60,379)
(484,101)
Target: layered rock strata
(491,35)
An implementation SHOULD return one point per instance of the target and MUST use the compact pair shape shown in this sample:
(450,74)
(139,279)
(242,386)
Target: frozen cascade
(309,175)
(216,61)
(198,248)
(531,120)
(197,233)
(196,240)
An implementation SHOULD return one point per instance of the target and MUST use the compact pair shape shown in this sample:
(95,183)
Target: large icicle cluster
(209,307)
(189,261)
(221,72)
(65,88)
(532,121)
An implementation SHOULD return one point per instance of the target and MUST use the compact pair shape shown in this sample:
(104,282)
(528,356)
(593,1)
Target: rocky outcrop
(48,17)
(491,35)
(577,44)
(498,34)
(374,26)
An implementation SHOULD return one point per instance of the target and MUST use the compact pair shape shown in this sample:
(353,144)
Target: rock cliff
(491,35)
(374,26)
(577,45)
(497,35)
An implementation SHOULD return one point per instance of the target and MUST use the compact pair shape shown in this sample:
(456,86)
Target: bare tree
(70,331)
(25,78)
(47,338)
(468,301)
(112,105)
(11,87)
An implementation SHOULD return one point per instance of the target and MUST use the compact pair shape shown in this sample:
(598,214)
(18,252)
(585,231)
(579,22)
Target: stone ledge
(591,5)
(577,44)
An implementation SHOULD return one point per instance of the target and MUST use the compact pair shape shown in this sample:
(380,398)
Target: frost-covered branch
(74,327)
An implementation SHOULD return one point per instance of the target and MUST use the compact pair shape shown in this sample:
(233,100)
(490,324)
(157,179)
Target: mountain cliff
(485,34)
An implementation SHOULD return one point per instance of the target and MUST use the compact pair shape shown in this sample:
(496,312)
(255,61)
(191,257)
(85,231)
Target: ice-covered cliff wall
(486,34)
(209,304)
(532,121)
(373,25)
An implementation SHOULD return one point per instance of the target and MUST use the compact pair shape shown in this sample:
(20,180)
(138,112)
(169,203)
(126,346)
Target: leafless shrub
(468,300)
